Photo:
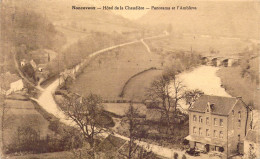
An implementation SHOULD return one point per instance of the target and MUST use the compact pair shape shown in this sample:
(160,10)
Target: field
(107,73)
(136,88)
(22,114)
(200,44)
(121,108)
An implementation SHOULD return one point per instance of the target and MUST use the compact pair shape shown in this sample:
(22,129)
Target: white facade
(15,86)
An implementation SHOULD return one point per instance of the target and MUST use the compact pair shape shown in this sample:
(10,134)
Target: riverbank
(235,85)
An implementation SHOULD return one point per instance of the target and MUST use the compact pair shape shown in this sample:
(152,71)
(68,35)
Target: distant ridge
(217,18)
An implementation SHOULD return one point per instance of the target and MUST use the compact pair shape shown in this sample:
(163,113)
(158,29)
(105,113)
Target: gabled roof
(222,105)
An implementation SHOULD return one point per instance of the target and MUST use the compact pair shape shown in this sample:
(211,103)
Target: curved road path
(47,102)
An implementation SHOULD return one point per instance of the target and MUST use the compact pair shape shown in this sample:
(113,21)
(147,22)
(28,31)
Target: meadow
(22,114)
(106,74)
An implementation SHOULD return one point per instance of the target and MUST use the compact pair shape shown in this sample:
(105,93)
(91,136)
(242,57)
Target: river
(205,79)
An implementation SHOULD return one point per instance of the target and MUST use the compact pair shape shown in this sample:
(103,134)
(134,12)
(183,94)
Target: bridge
(220,61)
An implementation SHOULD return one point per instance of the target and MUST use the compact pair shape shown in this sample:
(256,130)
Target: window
(251,147)
(194,130)
(200,132)
(207,132)
(200,119)
(239,115)
(215,122)
(239,123)
(215,133)
(221,122)
(238,138)
(194,118)
(207,120)
(233,112)
(221,134)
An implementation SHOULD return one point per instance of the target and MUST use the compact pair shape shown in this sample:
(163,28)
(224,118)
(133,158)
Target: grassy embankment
(236,86)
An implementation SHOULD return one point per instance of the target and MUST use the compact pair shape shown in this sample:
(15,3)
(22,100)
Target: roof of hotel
(222,105)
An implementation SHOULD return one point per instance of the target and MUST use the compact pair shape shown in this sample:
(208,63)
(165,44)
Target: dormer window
(40,69)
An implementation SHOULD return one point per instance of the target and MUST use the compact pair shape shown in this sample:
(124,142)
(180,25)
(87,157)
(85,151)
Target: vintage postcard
(129,79)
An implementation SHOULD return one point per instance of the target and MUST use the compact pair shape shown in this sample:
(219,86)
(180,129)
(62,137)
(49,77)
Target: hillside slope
(60,12)
(217,18)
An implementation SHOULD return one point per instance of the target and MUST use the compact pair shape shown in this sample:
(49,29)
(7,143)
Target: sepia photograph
(129,79)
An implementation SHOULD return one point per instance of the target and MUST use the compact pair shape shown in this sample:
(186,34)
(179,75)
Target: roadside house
(10,83)
(218,124)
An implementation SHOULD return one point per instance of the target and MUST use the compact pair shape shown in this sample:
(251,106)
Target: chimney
(209,108)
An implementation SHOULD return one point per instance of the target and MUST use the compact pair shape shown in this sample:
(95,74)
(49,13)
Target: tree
(135,130)
(176,155)
(159,93)
(86,113)
(191,96)
(168,90)
(178,89)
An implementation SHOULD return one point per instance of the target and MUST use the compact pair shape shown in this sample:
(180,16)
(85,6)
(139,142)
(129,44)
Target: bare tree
(177,89)
(168,90)
(86,113)
(135,131)
(192,95)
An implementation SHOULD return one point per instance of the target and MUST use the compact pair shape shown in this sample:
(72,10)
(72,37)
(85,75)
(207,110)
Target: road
(146,46)
(48,103)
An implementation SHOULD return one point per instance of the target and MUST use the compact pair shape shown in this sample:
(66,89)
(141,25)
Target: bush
(176,155)
(29,140)
(184,156)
